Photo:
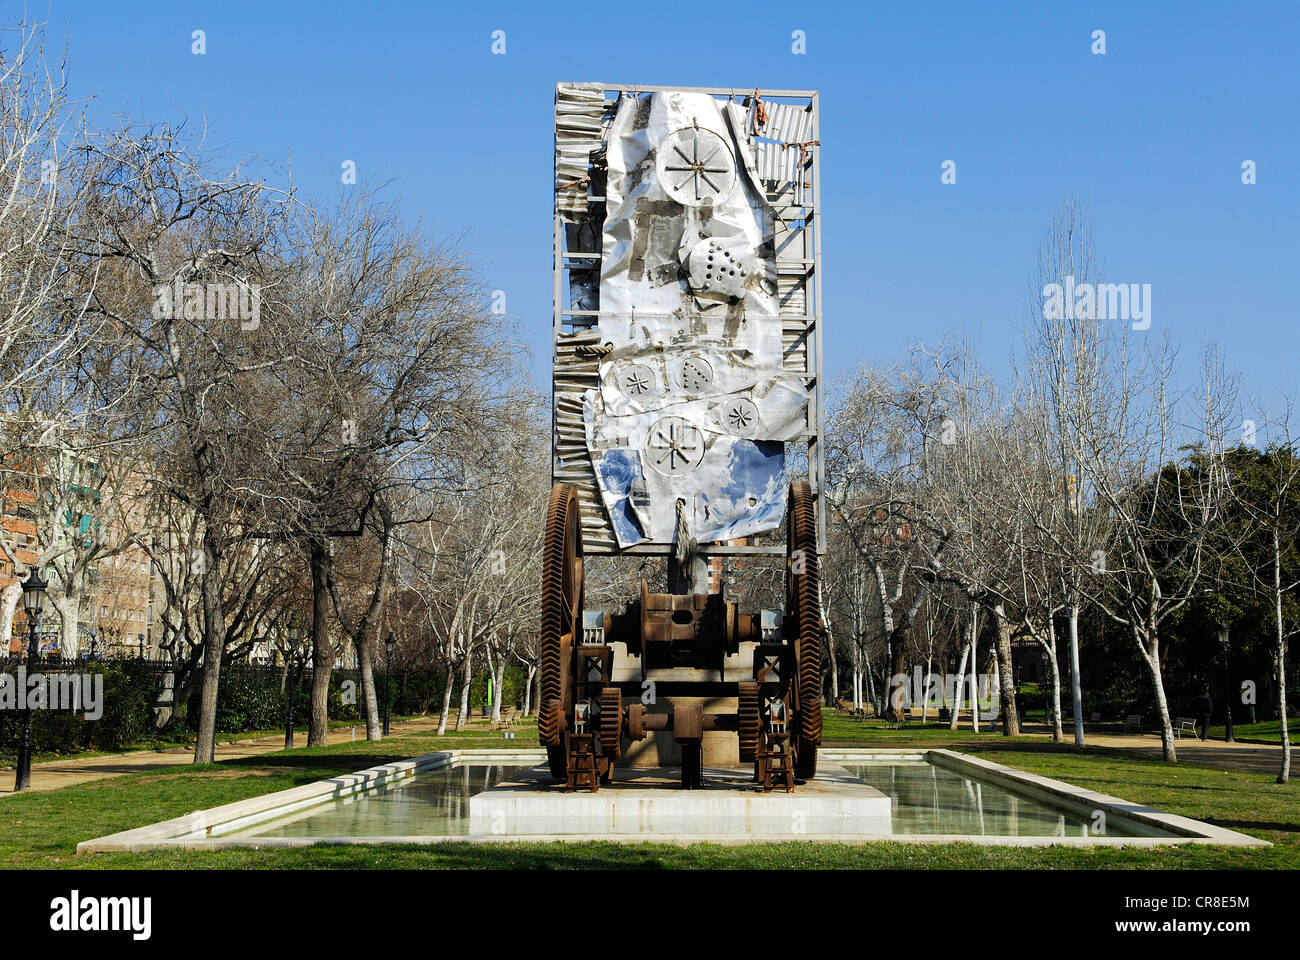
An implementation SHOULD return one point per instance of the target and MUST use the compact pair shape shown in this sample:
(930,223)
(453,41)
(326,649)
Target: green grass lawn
(1265,730)
(187,742)
(839,731)
(42,829)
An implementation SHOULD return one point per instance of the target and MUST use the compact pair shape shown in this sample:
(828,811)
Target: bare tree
(1267,493)
(1062,378)
(398,360)
(166,234)
(1163,496)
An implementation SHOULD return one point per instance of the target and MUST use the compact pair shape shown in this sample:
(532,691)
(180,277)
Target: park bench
(1133,722)
(1095,717)
(1184,723)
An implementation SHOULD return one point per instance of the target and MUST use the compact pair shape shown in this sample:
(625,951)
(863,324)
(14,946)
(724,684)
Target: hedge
(248,699)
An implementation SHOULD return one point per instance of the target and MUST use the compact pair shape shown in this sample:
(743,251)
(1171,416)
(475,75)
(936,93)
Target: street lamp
(295,641)
(139,638)
(389,643)
(33,592)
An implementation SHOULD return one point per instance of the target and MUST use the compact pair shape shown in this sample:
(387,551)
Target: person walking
(1204,708)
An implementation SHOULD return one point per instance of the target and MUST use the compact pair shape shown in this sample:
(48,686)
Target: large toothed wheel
(750,720)
(804,626)
(561,618)
(611,722)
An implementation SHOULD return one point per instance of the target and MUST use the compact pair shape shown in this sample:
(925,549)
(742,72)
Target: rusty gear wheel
(611,722)
(804,626)
(562,619)
(749,720)
(561,600)
(551,716)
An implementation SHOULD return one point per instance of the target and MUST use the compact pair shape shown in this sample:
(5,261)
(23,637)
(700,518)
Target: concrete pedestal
(649,801)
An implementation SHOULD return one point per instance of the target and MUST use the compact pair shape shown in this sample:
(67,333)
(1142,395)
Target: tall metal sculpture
(687,352)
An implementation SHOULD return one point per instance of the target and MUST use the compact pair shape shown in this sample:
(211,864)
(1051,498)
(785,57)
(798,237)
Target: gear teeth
(806,600)
(561,514)
(550,723)
(749,721)
(611,722)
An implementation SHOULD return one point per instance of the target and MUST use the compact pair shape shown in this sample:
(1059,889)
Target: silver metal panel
(581,122)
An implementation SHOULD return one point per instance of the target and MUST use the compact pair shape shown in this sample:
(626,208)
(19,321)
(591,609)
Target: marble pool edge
(196,830)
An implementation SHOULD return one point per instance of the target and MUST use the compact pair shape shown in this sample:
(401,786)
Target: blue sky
(1152,135)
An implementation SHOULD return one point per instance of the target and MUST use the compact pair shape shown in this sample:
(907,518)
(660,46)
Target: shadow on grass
(1248,825)
(320,765)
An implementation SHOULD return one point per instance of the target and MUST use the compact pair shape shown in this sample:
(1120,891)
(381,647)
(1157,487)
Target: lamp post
(295,641)
(33,591)
(139,639)
(390,642)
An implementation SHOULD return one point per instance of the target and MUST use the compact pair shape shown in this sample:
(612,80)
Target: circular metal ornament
(695,166)
(674,446)
(638,380)
(696,375)
(717,268)
(740,416)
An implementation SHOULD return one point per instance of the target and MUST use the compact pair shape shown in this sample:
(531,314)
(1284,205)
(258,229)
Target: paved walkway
(57,774)
(1258,757)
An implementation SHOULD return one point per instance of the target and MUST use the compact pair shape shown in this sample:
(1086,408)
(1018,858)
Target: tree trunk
(1224,641)
(528,690)
(925,688)
(462,718)
(1058,733)
(1152,658)
(214,648)
(67,608)
(499,677)
(322,651)
(365,643)
(898,678)
(9,600)
(1007,677)
(835,676)
(1075,682)
(68,603)
(1284,775)
(957,689)
(446,700)
(974,661)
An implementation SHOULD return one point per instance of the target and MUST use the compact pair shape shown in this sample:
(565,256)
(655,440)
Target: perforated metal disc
(696,375)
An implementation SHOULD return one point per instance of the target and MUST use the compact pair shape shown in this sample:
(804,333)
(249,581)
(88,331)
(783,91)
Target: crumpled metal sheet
(693,405)
(578,133)
(786,124)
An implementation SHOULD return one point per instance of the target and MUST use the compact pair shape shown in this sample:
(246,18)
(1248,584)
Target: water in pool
(927,799)
(931,799)
(435,803)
